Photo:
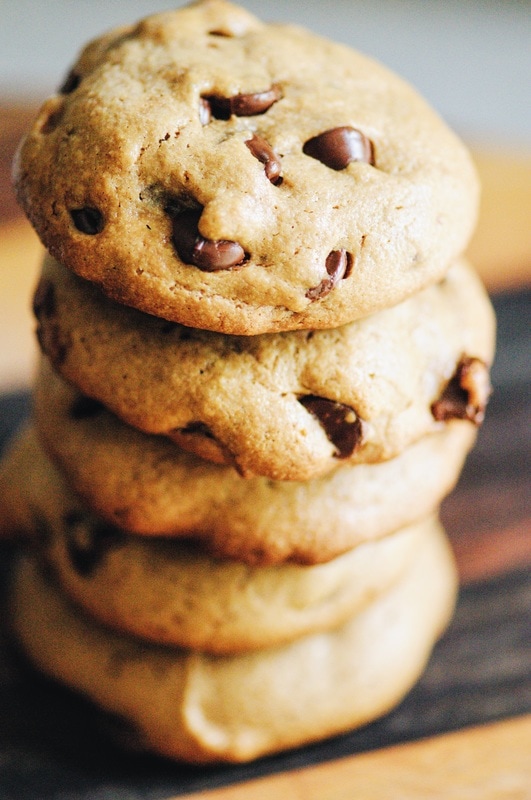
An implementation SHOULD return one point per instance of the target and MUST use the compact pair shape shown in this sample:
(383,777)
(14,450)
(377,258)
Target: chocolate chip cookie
(169,590)
(288,406)
(146,484)
(244,177)
(203,708)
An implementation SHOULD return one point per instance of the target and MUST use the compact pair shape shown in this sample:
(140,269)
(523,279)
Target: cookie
(169,590)
(147,485)
(205,708)
(244,177)
(288,406)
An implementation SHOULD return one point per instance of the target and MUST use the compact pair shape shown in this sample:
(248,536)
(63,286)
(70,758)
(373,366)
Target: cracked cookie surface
(244,177)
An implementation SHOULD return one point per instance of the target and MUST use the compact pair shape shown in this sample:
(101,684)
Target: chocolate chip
(71,82)
(338,265)
(53,120)
(168,327)
(44,299)
(224,34)
(340,422)
(242,105)
(89,542)
(206,254)
(88,220)
(198,428)
(49,334)
(85,407)
(466,394)
(263,151)
(337,147)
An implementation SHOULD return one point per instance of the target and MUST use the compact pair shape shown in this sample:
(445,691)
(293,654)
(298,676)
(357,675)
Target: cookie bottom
(206,709)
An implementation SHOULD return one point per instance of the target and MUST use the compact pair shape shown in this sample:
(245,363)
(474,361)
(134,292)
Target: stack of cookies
(264,363)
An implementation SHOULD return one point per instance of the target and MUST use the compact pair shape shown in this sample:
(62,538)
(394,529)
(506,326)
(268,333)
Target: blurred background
(471,60)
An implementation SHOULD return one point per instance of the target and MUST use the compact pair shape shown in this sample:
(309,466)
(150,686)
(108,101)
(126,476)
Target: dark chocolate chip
(88,220)
(466,394)
(71,82)
(51,343)
(223,34)
(168,327)
(198,428)
(452,403)
(340,423)
(44,299)
(242,105)
(194,249)
(85,407)
(53,120)
(338,266)
(212,256)
(49,335)
(89,542)
(263,151)
(337,147)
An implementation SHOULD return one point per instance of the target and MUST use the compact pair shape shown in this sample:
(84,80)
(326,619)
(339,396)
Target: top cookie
(244,177)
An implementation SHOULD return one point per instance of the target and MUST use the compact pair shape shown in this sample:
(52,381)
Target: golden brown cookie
(146,484)
(289,406)
(169,590)
(203,708)
(244,177)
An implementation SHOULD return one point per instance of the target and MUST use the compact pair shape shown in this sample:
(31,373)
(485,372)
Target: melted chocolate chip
(168,327)
(85,407)
(44,299)
(49,335)
(267,156)
(88,543)
(52,121)
(88,220)
(206,254)
(340,423)
(336,148)
(466,394)
(242,105)
(198,428)
(338,266)
(225,34)
(71,82)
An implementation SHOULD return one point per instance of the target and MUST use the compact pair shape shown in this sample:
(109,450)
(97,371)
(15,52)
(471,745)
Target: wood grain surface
(481,763)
